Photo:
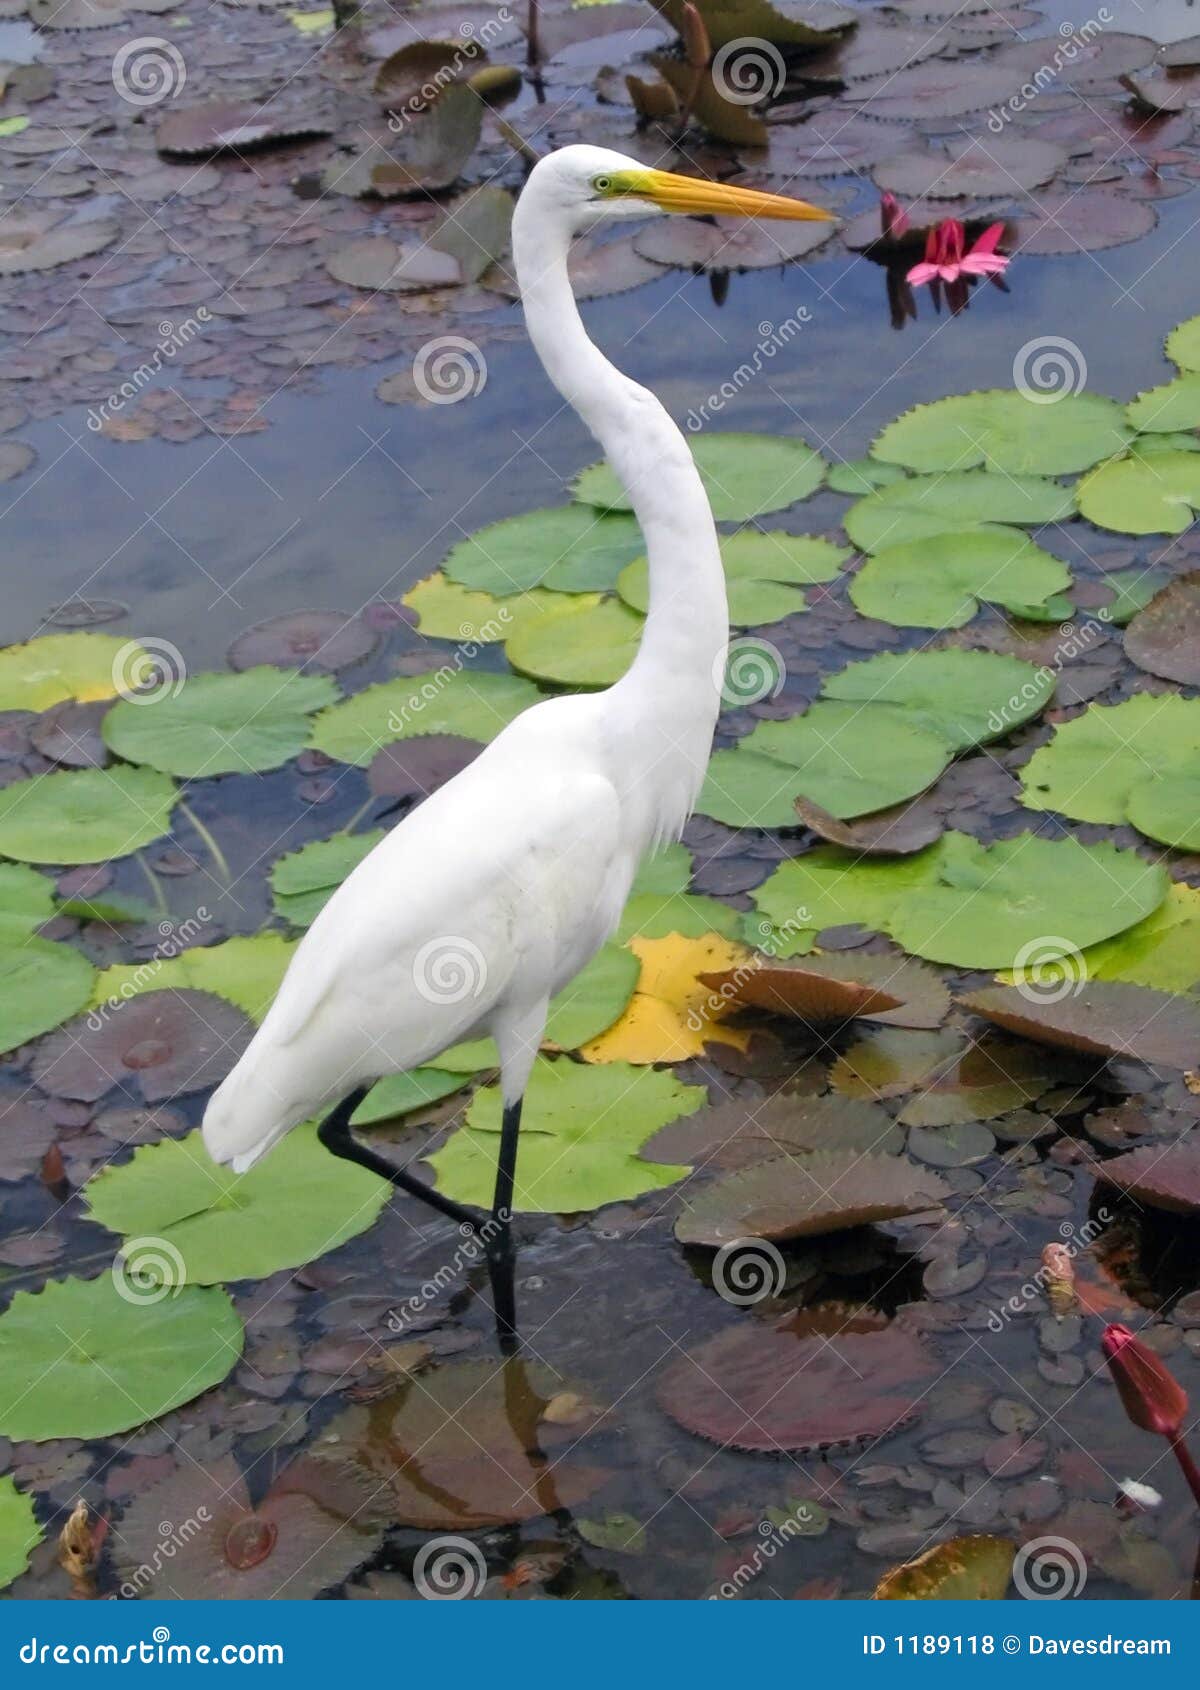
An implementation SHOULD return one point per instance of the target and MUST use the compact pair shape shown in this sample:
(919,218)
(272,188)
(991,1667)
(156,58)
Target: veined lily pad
(790,23)
(763,575)
(579,645)
(744,475)
(19,1531)
(1164,638)
(966,697)
(569,548)
(1004,430)
(26,901)
(1183,345)
(653,915)
(447,611)
(219,724)
(399,1094)
(672,1014)
(850,759)
(1101,1018)
(80,1360)
(84,815)
(581,1133)
(451,701)
(245,971)
(1142,494)
(1162,952)
(801,1196)
(163,1044)
(738,1133)
(971,905)
(218,1225)
(819,990)
(977,1568)
(41,986)
(940,581)
(1165,1177)
(1163,410)
(81,666)
(303,881)
(946,503)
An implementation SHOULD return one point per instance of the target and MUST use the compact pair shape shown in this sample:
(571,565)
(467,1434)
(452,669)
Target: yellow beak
(683,193)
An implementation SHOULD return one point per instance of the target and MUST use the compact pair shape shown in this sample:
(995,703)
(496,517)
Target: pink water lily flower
(945,259)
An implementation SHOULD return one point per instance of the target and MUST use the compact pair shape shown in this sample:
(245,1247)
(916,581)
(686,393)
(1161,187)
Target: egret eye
(602,184)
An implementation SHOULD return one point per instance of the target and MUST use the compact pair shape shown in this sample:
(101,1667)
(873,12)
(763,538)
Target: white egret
(495,892)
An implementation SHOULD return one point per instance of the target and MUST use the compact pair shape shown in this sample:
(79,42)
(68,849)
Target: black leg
(334,1133)
(506,1168)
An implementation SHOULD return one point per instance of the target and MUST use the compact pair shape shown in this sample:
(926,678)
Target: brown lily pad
(728,243)
(69,734)
(380,266)
(156,1044)
(831,144)
(1085,220)
(597,269)
(739,1133)
(823,1377)
(1165,1176)
(459,1447)
(427,155)
(802,1196)
(811,990)
(965,1568)
(233,126)
(1103,1018)
(972,169)
(315,1525)
(952,1078)
(34,240)
(413,768)
(320,641)
(27,1131)
(938,88)
(897,832)
(1164,639)
(412,78)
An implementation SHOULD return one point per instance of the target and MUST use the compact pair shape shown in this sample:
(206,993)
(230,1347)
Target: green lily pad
(219,724)
(920,505)
(303,881)
(1098,766)
(744,475)
(654,915)
(860,476)
(245,971)
(1183,345)
(446,611)
(83,666)
(567,547)
(210,1224)
(589,1004)
(581,1131)
(667,870)
(471,704)
(1162,952)
(399,1094)
(763,575)
(84,1359)
(41,986)
(579,645)
(26,901)
(1132,591)
(850,759)
(971,905)
(940,581)
(19,1531)
(84,815)
(1156,493)
(965,1568)
(966,697)
(1163,410)
(1004,430)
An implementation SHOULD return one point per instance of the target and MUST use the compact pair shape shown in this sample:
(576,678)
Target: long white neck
(663,712)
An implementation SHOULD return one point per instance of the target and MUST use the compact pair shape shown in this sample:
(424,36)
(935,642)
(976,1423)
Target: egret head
(592,185)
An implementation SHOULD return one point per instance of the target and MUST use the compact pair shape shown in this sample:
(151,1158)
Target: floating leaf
(898,831)
(619,1533)
(161,1044)
(1119,762)
(399,1094)
(726,243)
(26,901)
(822,989)
(19,1531)
(920,505)
(763,575)
(80,1360)
(1101,1018)
(968,904)
(228,125)
(965,1568)
(41,986)
(1005,431)
(738,1133)
(801,1196)
(972,168)
(219,724)
(940,581)
(303,881)
(939,88)
(413,77)
(460,1447)
(474,705)
(1163,951)
(475,228)
(966,697)
(744,475)
(42,240)
(315,1524)
(413,768)
(850,759)
(672,1014)
(819,23)
(84,815)
(79,666)
(1082,219)
(568,548)
(425,155)
(581,645)
(1183,345)
(380,266)
(1141,494)
(446,611)
(653,915)
(1165,1177)
(218,1225)
(1163,410)
(1164,638)
(245,971)
(581,1133)
(823,1377)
